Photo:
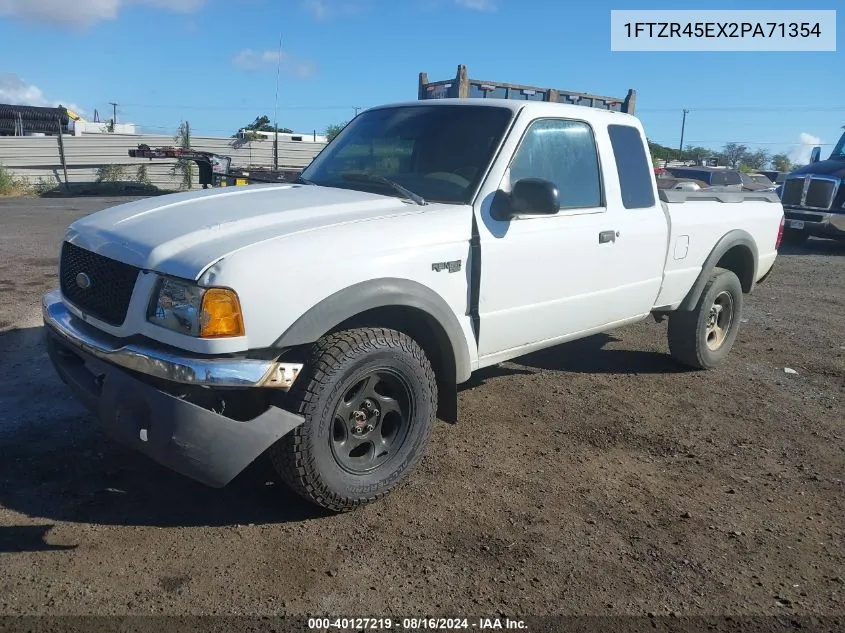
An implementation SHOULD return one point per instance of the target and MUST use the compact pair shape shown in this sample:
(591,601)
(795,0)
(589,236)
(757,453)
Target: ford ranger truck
(326,323)
(814,198)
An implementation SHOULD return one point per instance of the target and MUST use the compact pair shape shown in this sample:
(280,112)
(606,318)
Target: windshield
(438,152)
(839,150)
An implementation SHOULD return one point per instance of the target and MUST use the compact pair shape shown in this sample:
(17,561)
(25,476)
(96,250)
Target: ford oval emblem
(83,281)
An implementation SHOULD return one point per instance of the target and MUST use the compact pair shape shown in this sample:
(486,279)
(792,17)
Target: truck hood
(183,234)
(829,167)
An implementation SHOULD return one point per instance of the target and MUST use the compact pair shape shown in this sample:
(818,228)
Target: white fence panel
(37,158)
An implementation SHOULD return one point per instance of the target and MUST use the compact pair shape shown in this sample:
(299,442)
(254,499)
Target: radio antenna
(276,108)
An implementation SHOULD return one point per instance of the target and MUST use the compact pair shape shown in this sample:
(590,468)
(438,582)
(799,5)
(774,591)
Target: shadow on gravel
(815,246)
(58,465)
(587,356)
(27,538)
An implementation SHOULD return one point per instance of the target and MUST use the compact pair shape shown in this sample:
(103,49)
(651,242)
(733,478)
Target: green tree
(142,175)
(334,129)
(183,166)
(696,153)
(661,152)
(261,124)
(781,162)
(756,160)
(734,153)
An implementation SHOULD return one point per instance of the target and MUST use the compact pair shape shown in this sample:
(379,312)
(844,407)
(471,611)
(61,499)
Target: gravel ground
(593,478)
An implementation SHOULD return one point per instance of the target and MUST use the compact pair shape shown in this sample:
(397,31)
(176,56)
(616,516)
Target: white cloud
(324,9)
(800,154)
(478,5)
(81,13)
(249,59)
(15,91)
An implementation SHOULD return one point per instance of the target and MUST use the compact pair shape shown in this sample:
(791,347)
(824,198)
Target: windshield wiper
(368,177)
(302,181)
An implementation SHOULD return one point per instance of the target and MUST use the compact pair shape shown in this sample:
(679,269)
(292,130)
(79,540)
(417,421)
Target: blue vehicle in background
(813,198)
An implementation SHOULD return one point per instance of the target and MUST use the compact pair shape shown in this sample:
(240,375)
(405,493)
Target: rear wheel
(702,337)
(369,400)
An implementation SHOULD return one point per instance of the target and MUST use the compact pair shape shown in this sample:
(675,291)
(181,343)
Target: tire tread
(290,457)
(685,345)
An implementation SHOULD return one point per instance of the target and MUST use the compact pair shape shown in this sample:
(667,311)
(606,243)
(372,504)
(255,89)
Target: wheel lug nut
(369,427)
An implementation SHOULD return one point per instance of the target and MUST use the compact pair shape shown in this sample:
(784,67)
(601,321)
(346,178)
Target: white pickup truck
(328,322)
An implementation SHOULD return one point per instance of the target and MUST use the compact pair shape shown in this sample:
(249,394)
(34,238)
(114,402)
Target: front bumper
(185,437)
(815,223)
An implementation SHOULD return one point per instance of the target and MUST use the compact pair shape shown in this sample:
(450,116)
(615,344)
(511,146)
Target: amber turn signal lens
(221,314)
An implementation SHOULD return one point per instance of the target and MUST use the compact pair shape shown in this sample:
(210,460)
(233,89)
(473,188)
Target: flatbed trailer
(215,170)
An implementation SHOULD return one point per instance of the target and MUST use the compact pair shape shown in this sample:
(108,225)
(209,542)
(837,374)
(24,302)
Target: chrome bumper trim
(192,370)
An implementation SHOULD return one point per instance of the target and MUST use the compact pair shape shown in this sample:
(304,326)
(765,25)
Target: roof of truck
(538,107)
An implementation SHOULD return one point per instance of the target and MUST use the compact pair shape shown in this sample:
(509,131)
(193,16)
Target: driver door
(547,277)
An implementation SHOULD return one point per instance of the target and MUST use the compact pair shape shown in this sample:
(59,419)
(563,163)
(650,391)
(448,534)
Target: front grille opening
(820,194)
(792,190)
(97,285)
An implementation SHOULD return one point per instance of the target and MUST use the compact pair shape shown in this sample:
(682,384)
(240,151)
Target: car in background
(776,177)
(722,177)
(756,182)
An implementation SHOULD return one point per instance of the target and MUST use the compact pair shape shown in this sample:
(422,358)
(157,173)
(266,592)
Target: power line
(793,142)
(751,108)
(237,107)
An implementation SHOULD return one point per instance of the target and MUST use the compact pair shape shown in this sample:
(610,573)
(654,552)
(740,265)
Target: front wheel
(702,337)
(369,398)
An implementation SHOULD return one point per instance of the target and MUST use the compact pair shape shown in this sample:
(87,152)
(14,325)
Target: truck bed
(697,221)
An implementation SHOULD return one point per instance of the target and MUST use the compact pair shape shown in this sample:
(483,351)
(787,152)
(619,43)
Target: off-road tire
(688,330)
(305,458)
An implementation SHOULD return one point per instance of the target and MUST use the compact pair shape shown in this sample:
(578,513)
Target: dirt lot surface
(593,478)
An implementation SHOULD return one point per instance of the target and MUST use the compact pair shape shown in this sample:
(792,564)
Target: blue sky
(213,62)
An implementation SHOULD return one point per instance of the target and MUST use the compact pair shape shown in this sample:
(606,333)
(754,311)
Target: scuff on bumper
(185,437)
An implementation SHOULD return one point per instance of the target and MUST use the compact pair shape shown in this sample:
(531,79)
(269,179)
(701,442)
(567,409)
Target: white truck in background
(327,323)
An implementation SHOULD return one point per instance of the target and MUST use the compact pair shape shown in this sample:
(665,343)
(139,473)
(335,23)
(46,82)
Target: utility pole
(114,111)
(356,108)
(683,125)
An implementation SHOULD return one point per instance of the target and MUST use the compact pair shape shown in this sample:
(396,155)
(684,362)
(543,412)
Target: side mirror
(816,154)
(530,196)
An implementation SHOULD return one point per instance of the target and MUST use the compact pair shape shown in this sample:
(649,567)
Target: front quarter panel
(279,280)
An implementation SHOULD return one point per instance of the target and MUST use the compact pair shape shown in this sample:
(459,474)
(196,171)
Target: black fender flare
(736,237)
(380,293)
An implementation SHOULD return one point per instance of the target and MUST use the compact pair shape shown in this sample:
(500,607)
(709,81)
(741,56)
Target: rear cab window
(635,176)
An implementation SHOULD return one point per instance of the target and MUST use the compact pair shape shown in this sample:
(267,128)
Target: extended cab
(329,322)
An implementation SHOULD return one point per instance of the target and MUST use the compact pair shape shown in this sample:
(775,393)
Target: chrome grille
(810,192)
(793,189)
(820,193)
(109,288)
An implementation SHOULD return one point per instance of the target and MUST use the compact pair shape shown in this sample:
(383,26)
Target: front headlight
(202,312)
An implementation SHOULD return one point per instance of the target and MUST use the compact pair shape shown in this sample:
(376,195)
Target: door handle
(608,236)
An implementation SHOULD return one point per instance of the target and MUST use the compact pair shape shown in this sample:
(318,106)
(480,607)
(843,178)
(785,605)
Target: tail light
(780,234)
